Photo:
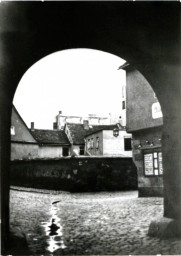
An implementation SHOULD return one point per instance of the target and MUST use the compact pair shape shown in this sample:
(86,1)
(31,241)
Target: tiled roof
(78,132)
(50,137)
(101,128)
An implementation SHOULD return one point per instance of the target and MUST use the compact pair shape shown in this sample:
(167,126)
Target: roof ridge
(47,130)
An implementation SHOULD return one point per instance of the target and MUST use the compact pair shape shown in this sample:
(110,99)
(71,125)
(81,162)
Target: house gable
(19,130)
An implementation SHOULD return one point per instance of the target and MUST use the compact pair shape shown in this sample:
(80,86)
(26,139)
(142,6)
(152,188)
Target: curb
(37,190)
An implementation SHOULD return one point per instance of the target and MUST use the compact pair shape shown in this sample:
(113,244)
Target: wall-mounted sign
(160,162)
(156,110)
(153,163)
(148,162)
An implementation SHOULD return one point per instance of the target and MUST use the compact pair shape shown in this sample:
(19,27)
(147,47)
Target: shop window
(153,163)
(81,150)
(65,151)
(127,144)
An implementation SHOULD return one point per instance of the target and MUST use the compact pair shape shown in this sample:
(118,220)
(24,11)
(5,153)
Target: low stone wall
(76,174)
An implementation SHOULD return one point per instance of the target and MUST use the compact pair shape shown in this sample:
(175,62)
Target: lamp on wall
(116,132)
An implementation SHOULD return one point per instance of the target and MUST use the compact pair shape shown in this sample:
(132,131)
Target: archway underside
(142,33)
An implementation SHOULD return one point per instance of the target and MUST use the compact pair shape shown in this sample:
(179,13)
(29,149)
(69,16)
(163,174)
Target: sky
(76,81)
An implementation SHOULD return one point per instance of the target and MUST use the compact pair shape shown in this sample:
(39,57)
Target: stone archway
(145,34)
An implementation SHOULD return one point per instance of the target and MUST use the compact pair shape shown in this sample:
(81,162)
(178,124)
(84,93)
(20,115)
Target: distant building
(23,144)
(93,119)
(27,144)
(144,121)
(102,142)
(75,134)
(56,143)
(61,120)
(52,143)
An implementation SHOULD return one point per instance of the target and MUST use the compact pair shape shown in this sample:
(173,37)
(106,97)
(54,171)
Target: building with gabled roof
(27,144)
(50,137)
(52,143)
(104,141)
(77,134)
(144,121)
(23,143)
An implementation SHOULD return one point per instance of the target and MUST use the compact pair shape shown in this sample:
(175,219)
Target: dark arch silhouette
(146,34)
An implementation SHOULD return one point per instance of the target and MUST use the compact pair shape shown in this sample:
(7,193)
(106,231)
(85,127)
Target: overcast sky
(77,81)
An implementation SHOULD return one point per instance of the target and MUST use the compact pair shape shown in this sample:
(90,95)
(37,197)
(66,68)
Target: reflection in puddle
(53,230)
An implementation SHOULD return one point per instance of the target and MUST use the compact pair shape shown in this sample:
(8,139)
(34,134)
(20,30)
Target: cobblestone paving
(89,223)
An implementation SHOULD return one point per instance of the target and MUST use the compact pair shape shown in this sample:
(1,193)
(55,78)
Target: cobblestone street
(89,223)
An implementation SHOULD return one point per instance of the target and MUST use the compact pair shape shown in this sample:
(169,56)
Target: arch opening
(40,144)
(153,52)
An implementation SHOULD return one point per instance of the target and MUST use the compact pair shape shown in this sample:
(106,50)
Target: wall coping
(70,157)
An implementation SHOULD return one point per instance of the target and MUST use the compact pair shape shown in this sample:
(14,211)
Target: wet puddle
(54,231)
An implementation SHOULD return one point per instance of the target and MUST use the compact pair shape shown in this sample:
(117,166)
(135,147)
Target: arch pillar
(5,121)
(172,167)
(168,89)
(169,93)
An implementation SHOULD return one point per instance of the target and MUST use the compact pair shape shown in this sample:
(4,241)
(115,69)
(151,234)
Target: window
(12,130)
(88,144)
(153,163)
(123,104)
(65,151)
(123,92)
(81,150)
(54,125)
(127,144)
(92,143)
(97,142)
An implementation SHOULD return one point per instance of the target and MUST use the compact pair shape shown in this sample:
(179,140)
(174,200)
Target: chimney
(86,124)
(32,126)
(60,112)
(55,126)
